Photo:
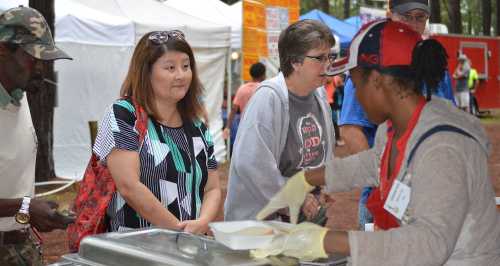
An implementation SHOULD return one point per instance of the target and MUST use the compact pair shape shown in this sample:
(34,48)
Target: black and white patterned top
(165,163)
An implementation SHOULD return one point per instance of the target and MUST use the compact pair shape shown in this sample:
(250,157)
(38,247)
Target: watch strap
(25,205)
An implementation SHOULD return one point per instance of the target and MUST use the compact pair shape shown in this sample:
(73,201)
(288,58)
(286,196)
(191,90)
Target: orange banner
(262,22)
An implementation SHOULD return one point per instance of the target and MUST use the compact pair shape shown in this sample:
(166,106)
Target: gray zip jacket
(451,218)
(254,176)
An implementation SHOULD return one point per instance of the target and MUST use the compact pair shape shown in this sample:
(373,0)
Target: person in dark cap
(357,131)
(25,42)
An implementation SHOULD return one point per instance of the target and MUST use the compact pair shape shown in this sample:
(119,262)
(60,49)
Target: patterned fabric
(95,193)
(27,253)
(165,163)
(27,27)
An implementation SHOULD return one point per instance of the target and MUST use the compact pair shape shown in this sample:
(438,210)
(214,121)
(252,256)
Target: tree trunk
(41,103)
(498,18)
(435,11)
(455,16)
(347,8)
(325,6)
(486,13)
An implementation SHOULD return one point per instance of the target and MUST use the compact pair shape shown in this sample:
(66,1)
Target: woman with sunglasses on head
(166,177)
(433,203)
(287,126)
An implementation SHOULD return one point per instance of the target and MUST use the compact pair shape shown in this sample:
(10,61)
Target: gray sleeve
(438,206)
(255,158)
(356,171)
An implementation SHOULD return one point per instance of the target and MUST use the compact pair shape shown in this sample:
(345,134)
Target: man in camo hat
(25,41)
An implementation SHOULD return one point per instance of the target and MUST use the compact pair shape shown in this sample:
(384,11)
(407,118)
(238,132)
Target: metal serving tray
(162,247)
(159,247)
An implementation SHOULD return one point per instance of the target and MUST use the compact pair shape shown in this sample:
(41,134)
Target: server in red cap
(428,165)
(358,132)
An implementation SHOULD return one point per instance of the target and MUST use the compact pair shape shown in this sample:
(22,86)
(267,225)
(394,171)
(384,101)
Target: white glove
(292,195)
(304,241)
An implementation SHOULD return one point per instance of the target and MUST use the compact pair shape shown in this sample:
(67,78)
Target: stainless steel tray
(160,247)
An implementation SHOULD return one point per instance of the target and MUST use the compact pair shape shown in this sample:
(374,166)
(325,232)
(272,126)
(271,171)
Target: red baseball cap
(382,44)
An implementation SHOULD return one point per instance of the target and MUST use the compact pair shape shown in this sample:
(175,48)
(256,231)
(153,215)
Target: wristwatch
(23,215)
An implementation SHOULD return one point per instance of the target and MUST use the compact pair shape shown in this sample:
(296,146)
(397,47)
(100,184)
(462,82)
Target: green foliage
(471,12)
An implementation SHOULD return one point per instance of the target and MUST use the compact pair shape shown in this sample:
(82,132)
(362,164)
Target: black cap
(403,6)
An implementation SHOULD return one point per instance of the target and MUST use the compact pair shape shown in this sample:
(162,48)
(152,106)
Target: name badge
(398,199)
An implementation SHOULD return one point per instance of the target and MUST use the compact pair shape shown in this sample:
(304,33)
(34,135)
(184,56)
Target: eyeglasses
(162,37)
(410,18)
(323,58)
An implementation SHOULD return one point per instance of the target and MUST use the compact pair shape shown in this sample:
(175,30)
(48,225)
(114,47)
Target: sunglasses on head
(161,37)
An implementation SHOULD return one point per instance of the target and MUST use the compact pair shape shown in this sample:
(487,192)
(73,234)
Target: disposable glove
(304,241)
(292,195)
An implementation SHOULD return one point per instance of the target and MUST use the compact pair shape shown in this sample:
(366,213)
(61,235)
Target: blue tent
(355,21)
(343,30)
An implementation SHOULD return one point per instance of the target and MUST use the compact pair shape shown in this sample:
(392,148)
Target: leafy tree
(455,16)
(497,17)
(486,14)
(347,8)
(435,11)
(325,6)
(42,103)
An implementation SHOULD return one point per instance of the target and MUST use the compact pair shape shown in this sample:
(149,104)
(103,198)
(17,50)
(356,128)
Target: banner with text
(263,20)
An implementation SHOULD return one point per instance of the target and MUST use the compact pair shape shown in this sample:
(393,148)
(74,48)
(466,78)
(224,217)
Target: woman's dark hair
(137,84)
(430,62)
(428,67)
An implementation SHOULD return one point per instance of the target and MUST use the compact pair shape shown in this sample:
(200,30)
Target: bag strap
(141,121)
(449,128)
(431,132)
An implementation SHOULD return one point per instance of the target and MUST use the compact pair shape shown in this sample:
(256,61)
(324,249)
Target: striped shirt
(166,167)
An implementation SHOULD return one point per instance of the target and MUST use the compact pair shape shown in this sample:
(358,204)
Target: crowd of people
(421,160)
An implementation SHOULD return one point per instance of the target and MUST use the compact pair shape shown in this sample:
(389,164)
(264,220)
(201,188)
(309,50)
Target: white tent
(100,36)
(236,10)
(215,11)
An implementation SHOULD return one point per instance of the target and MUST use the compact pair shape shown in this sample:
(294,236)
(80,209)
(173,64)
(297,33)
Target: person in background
(473,79)
(338,98)
(472,83)
(461,76)
(25,43)
(432,156)
(170,179)
(287,126)
(330,94)
(243,94)
(356,130)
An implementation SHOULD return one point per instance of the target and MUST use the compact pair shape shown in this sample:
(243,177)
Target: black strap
(189,129)
(431,132)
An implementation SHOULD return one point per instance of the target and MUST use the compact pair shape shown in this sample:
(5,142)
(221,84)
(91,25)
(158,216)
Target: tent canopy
(355,21)
(343,30)
(151,15)
(236,10)
(214,11)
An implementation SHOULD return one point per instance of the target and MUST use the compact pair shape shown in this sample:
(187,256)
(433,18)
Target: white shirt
(18,146)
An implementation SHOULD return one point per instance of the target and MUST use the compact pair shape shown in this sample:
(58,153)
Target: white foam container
(227,233)
(497,199)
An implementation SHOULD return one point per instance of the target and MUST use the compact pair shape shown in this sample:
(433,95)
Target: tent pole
(229,100)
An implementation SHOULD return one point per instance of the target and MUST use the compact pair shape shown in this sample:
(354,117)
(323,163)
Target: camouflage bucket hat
(27,27)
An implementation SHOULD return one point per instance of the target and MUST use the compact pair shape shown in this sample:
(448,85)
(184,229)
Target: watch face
(22,218)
